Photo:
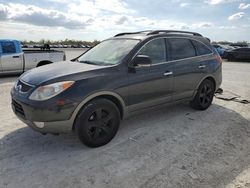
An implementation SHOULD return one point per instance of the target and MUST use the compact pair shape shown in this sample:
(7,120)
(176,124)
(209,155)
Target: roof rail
(173,32)
(131,33)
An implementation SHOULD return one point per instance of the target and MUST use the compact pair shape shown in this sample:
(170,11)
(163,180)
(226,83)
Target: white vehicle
(15,60)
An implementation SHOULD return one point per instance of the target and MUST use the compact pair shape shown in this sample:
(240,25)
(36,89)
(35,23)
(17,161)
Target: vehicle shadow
(238,61)
(212,144)
(8,79)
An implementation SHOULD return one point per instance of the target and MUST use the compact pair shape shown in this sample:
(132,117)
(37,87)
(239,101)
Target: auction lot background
(174,146)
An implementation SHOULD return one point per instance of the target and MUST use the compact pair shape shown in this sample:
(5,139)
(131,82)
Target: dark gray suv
(119,76)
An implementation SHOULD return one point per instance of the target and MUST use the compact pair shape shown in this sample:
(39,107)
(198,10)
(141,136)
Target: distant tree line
(65,42)
(232,43)
(95,42)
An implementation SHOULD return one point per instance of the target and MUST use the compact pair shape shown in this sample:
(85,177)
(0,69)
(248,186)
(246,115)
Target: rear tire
(204,95)
(98,122)
(230,58)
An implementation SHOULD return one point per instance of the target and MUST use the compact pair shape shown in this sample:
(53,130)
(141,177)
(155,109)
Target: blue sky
(100,19)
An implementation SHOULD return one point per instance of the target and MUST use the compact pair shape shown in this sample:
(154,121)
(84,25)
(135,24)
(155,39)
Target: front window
(8,47)
(156,51)
(109,52)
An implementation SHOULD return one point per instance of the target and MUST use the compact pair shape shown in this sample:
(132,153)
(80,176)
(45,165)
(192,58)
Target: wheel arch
(112,96)
(209,77)
(41,63)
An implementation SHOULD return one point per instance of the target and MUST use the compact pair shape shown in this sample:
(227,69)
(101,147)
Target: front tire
(204,95)
(98,122)
(231,58)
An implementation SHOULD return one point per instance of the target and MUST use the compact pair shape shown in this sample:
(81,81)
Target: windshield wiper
(89,62)
(97,63)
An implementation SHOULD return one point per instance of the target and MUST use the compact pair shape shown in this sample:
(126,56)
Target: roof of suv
(151,33)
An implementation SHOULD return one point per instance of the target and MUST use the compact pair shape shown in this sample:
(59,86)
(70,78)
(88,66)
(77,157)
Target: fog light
(39,124)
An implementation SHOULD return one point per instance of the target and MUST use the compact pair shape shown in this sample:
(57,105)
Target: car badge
(19,87)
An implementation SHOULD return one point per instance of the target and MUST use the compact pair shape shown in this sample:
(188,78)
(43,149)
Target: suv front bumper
(54,120)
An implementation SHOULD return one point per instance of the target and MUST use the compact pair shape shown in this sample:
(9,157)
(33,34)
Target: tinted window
(8,47)
(155,50)
(201,48)
(239,50)
(243,49)
(181,48)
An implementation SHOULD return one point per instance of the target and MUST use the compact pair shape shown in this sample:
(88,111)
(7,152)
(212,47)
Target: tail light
(218,59)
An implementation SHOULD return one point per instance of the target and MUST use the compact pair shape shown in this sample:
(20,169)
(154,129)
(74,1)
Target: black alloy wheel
(98,123)
(204,95)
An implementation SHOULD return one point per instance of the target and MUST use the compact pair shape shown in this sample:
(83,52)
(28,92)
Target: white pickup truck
(14,60)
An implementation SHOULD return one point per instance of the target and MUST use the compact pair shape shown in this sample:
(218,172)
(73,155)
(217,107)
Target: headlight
(48,91)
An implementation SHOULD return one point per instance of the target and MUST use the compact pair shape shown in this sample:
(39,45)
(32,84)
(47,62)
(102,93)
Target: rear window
(243,49)
(181,48)
(201,48)
(8,47)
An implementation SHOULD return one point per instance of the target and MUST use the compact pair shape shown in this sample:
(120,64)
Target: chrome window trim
(182,59)
(166,48)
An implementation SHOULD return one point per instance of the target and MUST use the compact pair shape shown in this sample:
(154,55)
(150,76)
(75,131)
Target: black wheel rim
(206,95)
(100,124)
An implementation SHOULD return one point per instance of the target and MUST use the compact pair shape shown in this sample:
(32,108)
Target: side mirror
(142,61)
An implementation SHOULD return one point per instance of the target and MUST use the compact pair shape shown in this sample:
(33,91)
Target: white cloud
(217,2)
(246,26)
(91,19)
(244,6)
(98,19)
(202,25)
(236,16)
(184,4)
(41,17)
(227,27)
(93,8)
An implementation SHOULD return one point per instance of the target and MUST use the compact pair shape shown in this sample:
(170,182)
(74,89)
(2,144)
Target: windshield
(109,52)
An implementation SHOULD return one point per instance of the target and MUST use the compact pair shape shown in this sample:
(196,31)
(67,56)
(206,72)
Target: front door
(153,85)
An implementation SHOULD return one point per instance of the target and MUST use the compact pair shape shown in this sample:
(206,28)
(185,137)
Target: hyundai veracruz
(119,76)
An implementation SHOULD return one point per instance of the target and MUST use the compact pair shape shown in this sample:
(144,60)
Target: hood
(45,73)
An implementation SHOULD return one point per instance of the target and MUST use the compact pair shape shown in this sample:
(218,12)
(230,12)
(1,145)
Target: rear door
(189,67)
(11,58)
(244,53)
(248,53)
(153,85)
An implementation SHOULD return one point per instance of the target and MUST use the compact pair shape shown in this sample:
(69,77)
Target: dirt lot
(174,146)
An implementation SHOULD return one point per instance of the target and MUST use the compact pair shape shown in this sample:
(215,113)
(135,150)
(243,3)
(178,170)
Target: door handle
(168,73)
(202,66)
(16,56)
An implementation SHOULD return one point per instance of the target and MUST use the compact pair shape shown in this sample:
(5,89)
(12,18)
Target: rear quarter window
(201,48)
(244,49)
(8,47)
(180,48)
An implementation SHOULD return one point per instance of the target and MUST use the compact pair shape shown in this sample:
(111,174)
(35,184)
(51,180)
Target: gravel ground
(174,146)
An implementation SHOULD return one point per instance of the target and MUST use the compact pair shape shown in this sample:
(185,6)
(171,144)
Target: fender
(95,95)
(204,78)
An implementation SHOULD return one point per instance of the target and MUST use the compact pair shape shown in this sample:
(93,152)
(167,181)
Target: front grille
(18,108)
(23,87)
